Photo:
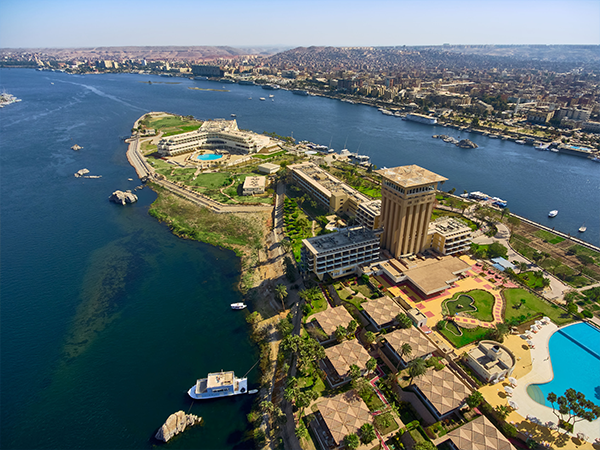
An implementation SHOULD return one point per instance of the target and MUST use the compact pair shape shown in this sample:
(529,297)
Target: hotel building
(217,134)
(408,196)
(341,253)
(449,236)
(335,195)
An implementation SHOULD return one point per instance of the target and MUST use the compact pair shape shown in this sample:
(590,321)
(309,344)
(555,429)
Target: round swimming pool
(208,157)
(575,357)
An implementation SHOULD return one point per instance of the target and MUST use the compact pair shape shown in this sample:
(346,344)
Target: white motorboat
(238,305)
(553,213)
(219,384)
(262,99)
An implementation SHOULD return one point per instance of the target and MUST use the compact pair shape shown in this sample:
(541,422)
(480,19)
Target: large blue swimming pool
(208,157)
(575,356)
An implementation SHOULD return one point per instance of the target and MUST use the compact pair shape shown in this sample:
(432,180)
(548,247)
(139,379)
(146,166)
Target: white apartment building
(340,253)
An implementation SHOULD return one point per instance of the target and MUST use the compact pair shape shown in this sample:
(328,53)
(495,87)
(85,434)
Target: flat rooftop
(448,226)
(434,274)
(220,379)
(349,236)
(410,176)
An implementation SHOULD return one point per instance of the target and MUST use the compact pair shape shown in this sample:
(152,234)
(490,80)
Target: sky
(293,23)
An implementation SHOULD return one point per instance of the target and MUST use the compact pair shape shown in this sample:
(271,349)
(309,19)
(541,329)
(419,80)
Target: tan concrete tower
(408,195)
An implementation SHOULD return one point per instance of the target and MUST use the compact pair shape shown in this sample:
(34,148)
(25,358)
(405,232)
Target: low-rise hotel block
(491,361)
(341,253)
(334,194)
(217,134)
(254,185)
(450,236)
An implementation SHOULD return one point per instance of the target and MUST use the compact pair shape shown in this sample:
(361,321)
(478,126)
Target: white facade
(214,135)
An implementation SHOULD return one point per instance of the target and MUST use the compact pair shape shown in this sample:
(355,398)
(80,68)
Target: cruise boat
(219,384)
(300,92)
(553,213)
(239,305)
(421,119)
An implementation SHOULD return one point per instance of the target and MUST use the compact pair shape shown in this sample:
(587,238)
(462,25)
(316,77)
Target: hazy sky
(240,23)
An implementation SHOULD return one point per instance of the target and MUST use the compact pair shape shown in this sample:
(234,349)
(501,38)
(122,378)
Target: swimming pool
(208,157)
(575,357)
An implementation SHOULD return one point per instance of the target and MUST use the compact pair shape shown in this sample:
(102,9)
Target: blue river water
(107,318)
(575,357)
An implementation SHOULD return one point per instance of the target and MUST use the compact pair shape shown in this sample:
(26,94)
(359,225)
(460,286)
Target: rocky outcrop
(123,197)
(175,424)
(83,173)
(466,143)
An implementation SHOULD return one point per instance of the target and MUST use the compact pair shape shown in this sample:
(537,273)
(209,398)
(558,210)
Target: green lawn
(532,306)
(453,334)
(549,237)
(211,180)
(385,423)
(372,401)
(315,384)
(318,304)
(262,156)
(372,192)
(532,278)
(478,303)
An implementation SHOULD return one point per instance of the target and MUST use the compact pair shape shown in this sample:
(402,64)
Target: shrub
(587,314)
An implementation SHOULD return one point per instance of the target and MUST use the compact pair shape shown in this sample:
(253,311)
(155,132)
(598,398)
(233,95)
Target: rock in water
(466,143)
(123,197)
(81,172)
(175,424)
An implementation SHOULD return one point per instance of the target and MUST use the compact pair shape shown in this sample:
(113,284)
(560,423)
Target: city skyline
(70,24)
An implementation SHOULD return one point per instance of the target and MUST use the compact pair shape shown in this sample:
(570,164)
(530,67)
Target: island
(410,332)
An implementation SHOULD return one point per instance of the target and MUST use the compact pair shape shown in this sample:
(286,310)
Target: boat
(246,82)
(553,213)
(582,228)
(421,118)
(238,305)
(271,96)
(76,147)
(300,92)
(270,87)
(219,384)
(262,99)
(233,115)
(520,142)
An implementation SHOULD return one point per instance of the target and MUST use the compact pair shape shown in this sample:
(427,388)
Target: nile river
(107,318)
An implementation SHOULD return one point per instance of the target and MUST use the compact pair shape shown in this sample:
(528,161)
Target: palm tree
(371,365)
(416,368)
(405,349)
(281,292)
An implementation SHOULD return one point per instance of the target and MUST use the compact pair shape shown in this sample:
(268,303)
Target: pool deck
(541,372)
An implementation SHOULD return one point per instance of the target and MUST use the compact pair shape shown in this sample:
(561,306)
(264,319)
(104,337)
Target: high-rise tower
(408,195)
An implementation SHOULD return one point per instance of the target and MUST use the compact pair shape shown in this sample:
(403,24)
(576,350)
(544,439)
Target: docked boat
(239,305)
(420,118)
(219,384)
(553,213)
(300,92)
(582,228)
